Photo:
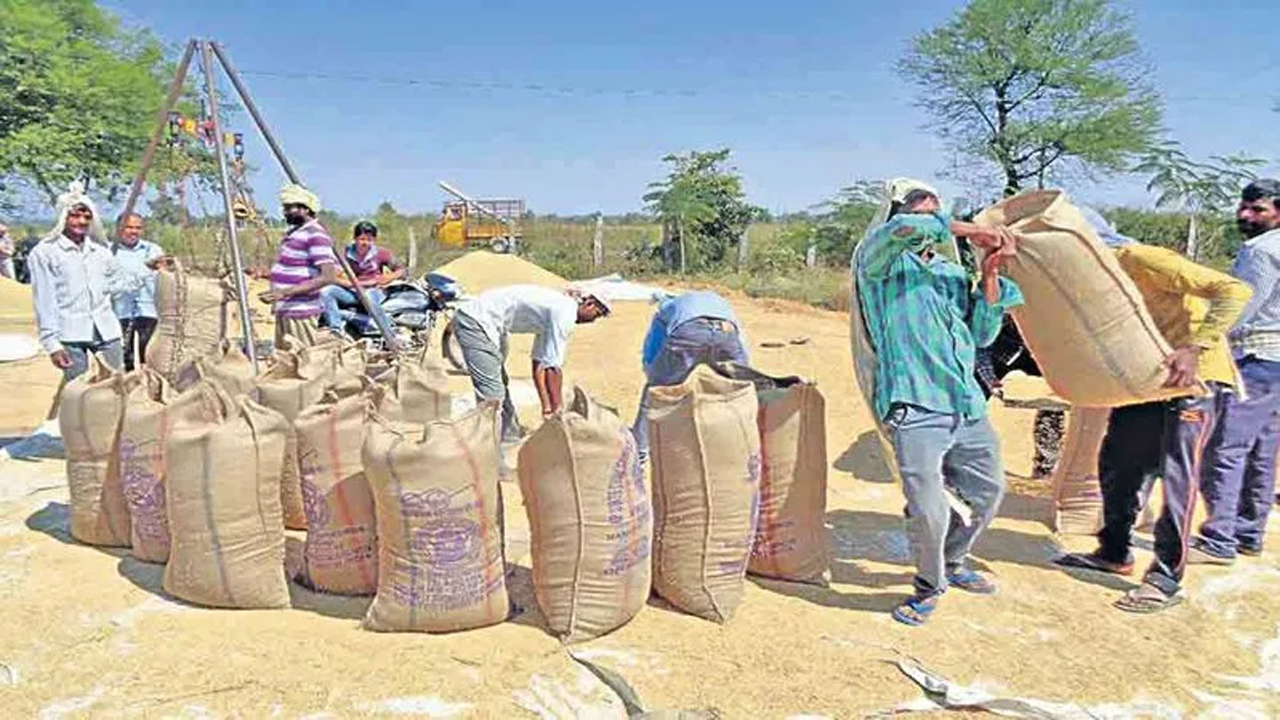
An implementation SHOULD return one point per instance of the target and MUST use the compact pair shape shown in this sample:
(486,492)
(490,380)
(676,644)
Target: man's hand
(61,359)
(164,261)
(1183,365)
(994,237)
(991,276)
(271,296)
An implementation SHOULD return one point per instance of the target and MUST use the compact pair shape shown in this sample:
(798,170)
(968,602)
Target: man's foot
(1249,550)
(1147,599)
(1094,561)
(970,581)
(915,610)
(1200,553)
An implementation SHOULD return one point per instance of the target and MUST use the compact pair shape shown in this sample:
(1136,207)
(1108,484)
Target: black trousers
(140,328)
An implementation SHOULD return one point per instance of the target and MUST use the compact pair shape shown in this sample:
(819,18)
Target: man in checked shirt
(925,320)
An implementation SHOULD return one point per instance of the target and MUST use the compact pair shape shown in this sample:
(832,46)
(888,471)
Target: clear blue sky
(804,92)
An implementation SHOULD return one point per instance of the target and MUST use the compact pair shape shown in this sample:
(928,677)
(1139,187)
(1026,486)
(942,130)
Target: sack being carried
(590,520)
(151,410)
(192,320)
(1084,320)
(791,537)
(340,555)
(89,417)
(439,509)
(706,482)
(223,495)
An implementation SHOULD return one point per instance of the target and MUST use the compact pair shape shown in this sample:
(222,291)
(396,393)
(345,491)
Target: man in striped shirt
(925,320)
(304,265)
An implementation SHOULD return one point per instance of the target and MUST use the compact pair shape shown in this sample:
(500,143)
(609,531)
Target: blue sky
(804,93)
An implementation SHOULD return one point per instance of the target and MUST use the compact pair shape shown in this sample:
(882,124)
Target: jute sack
(416,393)
(1077,496)
(1084,320)
(223,497)
(230,370)
(191,323)
(151,410)
(439,510)
(590,519)
(288,388)
(89,416)
(791,538)
(340,555)
(706,483)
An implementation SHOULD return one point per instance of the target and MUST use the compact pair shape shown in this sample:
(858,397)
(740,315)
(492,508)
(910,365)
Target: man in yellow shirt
(1193,306)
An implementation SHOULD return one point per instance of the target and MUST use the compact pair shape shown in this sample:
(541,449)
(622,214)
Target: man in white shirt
(6,254)
(483,324)
(136,310)
(73,279)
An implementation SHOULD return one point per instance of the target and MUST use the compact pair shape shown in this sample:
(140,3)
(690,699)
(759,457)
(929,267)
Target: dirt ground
(87,632)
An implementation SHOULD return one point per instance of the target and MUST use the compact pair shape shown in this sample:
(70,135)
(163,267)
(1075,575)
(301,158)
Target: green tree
(1036,87)
(78,94)
(702,204)
(1200,190)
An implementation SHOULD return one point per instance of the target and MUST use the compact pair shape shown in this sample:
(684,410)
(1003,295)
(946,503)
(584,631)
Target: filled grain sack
(151,410)
(192,320)
(230,370)
(340,555)
(223,497)
(89,416)
(590,520)
(416,393)
(439,509)
(1084,320)
(791,538)
(288,388)
(705,448)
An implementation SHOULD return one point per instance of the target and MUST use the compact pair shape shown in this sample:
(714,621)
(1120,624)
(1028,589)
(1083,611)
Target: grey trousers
(934,450)
(486,363)
(111,351)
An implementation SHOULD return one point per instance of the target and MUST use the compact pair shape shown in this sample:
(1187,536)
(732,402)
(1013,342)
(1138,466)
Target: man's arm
(549,382)
(885,243)
(988,317)
(1227,296)
(654,339)
(44,296)
(397,270)
(1258,269)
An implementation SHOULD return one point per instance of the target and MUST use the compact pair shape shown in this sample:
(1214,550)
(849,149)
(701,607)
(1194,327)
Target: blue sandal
(915,610)
(970,581)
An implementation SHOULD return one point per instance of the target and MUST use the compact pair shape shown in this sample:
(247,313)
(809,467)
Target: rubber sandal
(1198,553)
(1147,599)
(970,581)
(1249,550)
(1093,561)
(915,610)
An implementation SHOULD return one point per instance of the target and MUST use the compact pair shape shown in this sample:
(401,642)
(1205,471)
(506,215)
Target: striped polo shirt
(302,252)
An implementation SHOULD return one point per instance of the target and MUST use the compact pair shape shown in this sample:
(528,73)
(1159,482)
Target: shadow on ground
(864,459)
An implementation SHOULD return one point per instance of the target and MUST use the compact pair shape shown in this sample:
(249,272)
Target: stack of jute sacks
(401,501)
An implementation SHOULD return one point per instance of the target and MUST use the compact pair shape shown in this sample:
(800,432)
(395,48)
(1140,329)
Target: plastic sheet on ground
(17,346)
(614,288)
(45,442)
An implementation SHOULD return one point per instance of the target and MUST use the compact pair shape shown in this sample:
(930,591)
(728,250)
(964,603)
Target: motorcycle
(415,308)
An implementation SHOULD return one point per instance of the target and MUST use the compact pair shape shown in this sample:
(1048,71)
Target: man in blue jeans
(688,329)
(924,320)
(1239,478)
(374,267)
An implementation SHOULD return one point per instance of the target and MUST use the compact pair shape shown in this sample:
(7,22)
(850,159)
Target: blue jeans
(936,450)
(335,297)
(1239,478)
(111,352)
(701,340)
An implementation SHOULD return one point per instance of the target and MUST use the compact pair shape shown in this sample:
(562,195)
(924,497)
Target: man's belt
(720,324)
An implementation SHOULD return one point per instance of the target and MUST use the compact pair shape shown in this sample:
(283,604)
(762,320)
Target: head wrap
(1106,232)
(75,197)
(294,194)
(895,191)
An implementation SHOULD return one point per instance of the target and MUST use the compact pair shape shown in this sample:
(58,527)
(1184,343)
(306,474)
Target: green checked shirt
(925,319)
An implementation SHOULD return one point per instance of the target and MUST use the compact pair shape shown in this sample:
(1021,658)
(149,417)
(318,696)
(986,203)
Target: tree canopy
(703,203)
(1037,87)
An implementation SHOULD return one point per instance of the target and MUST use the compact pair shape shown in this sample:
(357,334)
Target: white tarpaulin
(16,346)
(614,288)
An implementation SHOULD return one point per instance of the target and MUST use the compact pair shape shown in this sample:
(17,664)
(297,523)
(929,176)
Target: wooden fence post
(597,243)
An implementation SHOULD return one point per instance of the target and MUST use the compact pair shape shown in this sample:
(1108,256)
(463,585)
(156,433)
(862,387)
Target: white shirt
(548,314)
(72,287)
(1257,330)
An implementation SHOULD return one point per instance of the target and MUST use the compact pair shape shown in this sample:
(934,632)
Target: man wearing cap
(483,324)
(1239,480)
(373,266)
(688,329)
(304,265)
(924,320)
(73,280)
(1193,306)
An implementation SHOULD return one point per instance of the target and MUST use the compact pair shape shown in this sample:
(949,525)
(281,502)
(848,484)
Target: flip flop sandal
(1090,561)
(1147,599)
(915,611)
(802,340)
(970,581)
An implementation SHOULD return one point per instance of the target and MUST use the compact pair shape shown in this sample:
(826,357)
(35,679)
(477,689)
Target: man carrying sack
(688,329)
(1165,438)
(304,264)
(924,320)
